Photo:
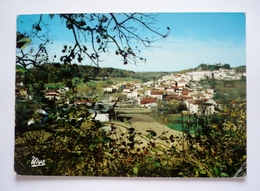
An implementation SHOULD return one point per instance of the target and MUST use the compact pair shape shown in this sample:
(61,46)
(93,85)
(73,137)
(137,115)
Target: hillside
(88,73)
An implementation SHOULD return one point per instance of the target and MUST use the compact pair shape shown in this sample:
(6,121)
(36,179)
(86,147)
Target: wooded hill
(88,73)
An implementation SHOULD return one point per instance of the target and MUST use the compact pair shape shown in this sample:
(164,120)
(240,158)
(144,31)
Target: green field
(177,123)
(127,79)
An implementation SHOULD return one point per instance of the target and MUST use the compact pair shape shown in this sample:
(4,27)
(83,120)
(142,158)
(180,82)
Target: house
(157,94)
(126,90)
(181,83)
(159,81)
(108,89)
(217,74)
(79,102)
(171,98)
(185,93)
(200,75)
(132,95)
(205,107)
(52,95)
(160,88)
(208,95)
(171,89)
(193,106)
(149,84)
(148,102)
(197,96)
(137,85)
(166,78)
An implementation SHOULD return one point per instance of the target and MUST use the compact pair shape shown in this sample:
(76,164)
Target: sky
(194,38)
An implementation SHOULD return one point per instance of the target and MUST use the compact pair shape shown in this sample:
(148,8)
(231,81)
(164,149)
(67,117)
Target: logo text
(37,162)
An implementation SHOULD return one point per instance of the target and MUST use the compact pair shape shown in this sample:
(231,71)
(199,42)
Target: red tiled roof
(51,94)
(157,93)
(185,92)
(81,101)
(196,102)
(200,102)
(148,100)
(206,100)
(187,97)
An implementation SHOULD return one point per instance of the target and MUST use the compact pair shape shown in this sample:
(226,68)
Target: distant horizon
(154,70)
(173,71)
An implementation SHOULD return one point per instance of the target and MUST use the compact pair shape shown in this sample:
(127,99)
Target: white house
(126,90)
(148,84)
(147,93)
(132,95)
(208,94)
(137,85)
(199,75)
(108,89)
(181,83)
(200,107)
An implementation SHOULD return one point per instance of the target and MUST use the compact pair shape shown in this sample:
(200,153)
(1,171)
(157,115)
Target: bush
(75,145)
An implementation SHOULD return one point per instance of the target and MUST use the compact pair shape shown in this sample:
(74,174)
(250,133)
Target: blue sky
(194,38)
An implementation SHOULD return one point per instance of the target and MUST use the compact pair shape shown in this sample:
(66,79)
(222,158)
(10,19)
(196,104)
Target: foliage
(241,69)
(147,76)
(227,91)
(99,31)
(216,144)
(217,148)
(220,141)
(213,66)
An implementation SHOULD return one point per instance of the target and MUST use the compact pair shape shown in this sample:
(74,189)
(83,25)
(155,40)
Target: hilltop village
(175,87)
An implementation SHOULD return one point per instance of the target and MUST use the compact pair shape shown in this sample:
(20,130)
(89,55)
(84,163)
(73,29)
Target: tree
(66,129)
(203,66)
(93,34)
(226,66)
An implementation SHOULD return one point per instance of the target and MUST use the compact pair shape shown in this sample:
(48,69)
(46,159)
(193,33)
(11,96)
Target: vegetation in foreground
(75,145)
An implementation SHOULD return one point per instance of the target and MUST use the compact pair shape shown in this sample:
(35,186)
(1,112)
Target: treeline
(218,66)
(147,76)
(56,72)
(213,66)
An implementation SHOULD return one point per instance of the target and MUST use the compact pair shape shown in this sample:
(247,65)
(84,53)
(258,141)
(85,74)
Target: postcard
(131,95)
